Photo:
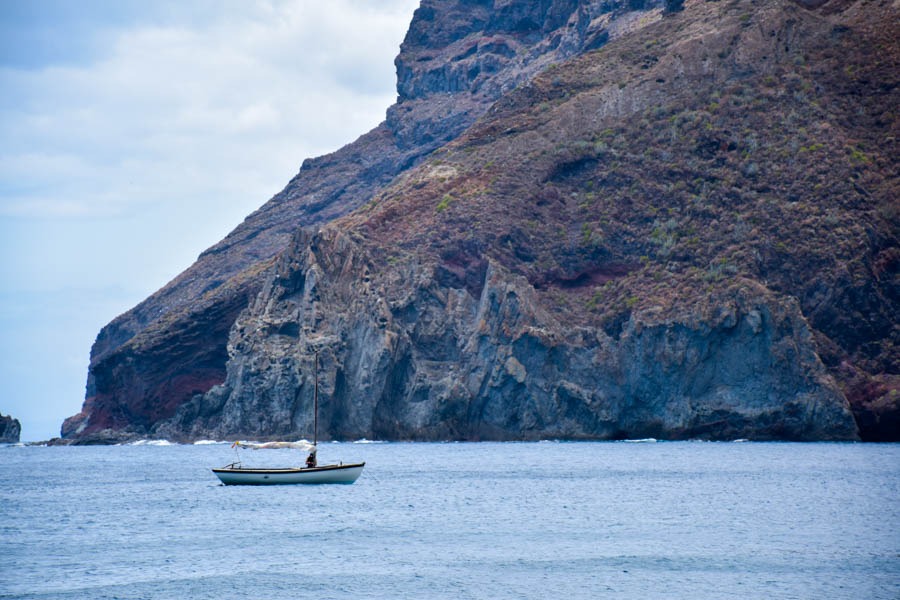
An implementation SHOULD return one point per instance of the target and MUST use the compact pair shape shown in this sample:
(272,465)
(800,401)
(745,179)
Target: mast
(316,404)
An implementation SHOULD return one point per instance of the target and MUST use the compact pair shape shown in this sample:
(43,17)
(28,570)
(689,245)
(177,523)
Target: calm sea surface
(537,520)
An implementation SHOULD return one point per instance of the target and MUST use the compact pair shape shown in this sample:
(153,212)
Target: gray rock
(405,357)
(10,430)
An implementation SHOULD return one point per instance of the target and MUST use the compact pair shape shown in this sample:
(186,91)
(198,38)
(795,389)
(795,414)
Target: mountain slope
(691,231)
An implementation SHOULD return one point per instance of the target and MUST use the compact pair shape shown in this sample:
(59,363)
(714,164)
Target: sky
(135,134)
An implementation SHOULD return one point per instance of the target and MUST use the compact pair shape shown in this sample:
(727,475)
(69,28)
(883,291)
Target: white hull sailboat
(237,474)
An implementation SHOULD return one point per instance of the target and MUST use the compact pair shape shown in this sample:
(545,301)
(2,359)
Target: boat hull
(313,475)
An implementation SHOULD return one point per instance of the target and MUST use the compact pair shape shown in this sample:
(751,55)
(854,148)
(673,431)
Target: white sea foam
(208,442)
(151,443)
(641,441)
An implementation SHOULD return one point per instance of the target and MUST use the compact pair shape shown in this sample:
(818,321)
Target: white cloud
(189,117)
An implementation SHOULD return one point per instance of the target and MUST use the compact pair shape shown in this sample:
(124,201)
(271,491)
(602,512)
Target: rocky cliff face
(10,430)
(416,352)
(455,62)
(578,221)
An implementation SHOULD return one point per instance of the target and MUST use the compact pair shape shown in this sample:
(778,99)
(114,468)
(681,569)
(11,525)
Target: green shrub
(444,203)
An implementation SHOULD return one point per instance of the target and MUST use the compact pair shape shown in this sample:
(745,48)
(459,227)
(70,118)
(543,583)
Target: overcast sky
(135,134)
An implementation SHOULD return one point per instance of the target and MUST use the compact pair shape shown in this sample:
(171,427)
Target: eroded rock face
(10,430)
(457,59)
(403,356)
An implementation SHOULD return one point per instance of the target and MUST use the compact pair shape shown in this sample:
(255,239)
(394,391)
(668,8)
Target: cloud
(137,134)
(186,114)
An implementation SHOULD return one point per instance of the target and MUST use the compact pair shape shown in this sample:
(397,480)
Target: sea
(630,519)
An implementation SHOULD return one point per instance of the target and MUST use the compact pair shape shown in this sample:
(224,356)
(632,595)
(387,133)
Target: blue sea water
(485,520)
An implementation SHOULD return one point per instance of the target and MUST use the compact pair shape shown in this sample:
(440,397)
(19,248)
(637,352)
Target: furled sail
(298,445)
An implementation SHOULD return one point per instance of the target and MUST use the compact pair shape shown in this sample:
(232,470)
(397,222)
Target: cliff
(173,345)
(10,430)
(580,220)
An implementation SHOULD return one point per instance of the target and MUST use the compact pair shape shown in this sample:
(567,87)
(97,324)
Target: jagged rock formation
(421,352)
(579,221)
(10,430)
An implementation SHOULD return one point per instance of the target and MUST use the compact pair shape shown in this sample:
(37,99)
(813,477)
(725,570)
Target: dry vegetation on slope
(735,144)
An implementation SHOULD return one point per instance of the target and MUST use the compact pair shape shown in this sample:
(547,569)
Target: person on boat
(311,460)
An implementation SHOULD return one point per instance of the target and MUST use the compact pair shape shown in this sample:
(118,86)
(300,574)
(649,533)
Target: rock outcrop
(579,221)
(10,430)
(405,355)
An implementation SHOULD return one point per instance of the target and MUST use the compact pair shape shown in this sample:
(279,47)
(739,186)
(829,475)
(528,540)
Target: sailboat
(236,474)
